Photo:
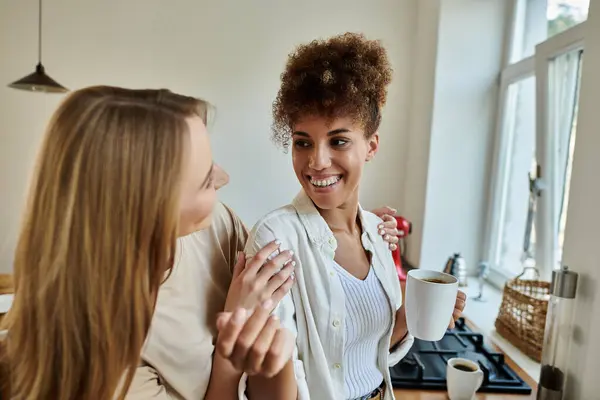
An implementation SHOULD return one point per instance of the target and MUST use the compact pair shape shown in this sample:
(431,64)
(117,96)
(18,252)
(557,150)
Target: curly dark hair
(343,76)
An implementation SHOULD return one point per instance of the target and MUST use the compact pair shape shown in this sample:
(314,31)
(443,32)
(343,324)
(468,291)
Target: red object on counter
(404,229)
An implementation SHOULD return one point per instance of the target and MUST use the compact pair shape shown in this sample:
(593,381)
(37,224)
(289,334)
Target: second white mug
(463,378)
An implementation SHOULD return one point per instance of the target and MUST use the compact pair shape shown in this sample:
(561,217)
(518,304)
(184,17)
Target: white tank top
(368,318)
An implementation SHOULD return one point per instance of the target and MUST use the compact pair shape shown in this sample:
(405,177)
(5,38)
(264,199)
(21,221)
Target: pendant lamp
(38,81)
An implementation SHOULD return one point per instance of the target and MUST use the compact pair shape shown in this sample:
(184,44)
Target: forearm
(224,380)
(400,327)
(282,386)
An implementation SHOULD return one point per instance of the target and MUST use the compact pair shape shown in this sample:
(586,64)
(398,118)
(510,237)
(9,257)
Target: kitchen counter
(410,394)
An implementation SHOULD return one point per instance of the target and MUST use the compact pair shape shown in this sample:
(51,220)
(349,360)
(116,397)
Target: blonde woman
(121,175)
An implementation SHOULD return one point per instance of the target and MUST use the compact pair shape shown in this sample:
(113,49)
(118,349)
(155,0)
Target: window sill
(483,315)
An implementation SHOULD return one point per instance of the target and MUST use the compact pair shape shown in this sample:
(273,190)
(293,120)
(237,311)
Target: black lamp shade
(38,82)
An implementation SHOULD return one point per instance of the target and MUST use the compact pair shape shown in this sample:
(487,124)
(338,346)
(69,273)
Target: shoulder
(371,220)
(225,226)
(224,217)
(284,218)
(283,224)
(371,223)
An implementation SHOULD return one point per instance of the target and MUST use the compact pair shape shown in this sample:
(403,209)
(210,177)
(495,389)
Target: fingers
(390,238)
(456,314)
(248,335)
(279,353)
(277,280)
(388,230)
(452,324)
(385,210)
(239,265)
(261,346)
(276,266)
(229,330)
(256,262)
(459,306)
(390,220)
(255,344)
(222,319)
(283,290)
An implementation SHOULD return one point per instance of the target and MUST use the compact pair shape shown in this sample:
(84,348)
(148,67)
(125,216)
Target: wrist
(400,328)
(224,379)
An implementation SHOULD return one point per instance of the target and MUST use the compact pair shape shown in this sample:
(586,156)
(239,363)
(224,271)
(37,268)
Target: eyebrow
(207,177)
(330,133)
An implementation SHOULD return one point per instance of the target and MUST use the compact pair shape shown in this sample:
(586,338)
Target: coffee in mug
(434,281)
(429,301)
(463,378)
(465,367)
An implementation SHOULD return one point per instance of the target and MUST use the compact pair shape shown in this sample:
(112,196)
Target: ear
(373,143)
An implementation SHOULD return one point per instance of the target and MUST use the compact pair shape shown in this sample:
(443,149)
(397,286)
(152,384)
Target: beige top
(177,356)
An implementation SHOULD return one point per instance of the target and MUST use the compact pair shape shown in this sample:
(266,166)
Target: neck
(344,217)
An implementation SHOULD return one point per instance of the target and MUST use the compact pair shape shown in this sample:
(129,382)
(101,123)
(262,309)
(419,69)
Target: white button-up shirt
(314,310)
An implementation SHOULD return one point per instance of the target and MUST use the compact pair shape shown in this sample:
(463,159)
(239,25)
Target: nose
(320,158)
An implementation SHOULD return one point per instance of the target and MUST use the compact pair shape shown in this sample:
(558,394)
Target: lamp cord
(40,33)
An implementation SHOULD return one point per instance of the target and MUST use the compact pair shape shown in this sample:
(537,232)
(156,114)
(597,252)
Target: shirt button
(331,240)
(331,273)
(337,366)
(336,323)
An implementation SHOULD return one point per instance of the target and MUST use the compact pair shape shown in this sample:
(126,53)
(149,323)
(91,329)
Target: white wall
(416,151)
(453,205)
(230,52)
(582,235)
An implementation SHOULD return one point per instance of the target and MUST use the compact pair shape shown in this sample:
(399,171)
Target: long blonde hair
(97,240)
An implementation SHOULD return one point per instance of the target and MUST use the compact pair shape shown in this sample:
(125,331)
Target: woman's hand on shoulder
(269,275)
(388,228)
(254,341)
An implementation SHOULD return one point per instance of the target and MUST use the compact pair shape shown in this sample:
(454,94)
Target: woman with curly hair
(346,306)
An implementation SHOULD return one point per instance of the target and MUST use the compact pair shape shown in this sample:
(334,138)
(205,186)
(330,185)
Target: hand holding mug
(459,306)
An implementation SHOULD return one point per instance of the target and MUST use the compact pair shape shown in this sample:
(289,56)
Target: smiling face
(329,157)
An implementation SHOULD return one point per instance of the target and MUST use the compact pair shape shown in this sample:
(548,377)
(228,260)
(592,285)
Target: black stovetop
(424,367)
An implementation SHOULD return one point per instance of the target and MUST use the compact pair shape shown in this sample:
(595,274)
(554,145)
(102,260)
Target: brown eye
(301,144)
(339,142)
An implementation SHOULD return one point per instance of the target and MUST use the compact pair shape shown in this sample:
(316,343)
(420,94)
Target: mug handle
(480,378)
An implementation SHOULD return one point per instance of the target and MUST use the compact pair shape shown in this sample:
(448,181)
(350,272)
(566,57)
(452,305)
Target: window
(565,14)
(535,21)
(536,133)
(518,131)
(558,71)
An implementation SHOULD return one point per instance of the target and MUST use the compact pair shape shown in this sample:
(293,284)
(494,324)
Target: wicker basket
(522,316)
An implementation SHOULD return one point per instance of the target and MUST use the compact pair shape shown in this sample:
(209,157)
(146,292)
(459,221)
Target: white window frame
(546,220)
(501,161)
(548,207)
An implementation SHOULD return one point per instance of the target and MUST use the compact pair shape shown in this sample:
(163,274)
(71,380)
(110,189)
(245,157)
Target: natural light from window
(564,14)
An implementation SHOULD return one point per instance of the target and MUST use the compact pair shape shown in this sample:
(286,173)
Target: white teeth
(325,182)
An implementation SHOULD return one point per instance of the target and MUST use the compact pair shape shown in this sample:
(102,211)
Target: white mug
(430,298)
(463,378)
